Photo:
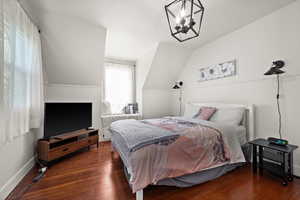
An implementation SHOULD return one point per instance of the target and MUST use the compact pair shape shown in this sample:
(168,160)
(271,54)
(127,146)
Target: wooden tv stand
(62,145)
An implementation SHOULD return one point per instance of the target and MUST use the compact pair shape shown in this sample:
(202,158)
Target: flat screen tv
(61,118)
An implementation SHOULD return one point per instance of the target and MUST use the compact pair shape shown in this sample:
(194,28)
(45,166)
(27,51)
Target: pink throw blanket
(197,148)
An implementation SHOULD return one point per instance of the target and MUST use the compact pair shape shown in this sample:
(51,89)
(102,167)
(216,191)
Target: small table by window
(278,160)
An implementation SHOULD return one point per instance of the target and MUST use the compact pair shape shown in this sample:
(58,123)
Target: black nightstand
(278,160)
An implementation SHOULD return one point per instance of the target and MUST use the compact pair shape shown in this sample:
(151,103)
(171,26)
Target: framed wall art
(218,71)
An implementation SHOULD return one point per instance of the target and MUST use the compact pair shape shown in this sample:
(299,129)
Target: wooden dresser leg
(139,195)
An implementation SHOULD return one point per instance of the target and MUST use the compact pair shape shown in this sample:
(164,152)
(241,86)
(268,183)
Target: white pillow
(191,110)
(232,116)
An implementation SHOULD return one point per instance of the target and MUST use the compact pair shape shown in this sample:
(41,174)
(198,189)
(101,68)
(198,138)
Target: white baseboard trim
(297,170)
(15,179)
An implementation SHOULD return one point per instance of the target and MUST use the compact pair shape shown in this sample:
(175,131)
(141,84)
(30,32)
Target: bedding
(192,145)
(196,178)
(137,135)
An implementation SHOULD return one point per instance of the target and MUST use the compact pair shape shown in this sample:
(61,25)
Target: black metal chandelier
(185,18)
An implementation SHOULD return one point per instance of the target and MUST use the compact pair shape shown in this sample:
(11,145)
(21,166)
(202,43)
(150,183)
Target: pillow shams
(232,116)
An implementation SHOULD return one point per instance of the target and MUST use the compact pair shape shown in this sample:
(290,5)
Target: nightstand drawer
(273,155)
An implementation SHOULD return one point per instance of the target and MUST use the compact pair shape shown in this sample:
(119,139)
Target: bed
(183,151)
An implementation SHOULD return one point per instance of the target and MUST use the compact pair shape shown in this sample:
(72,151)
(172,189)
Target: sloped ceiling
(134,26)
(166,65)
(144,65)
(74,31)
(73,50)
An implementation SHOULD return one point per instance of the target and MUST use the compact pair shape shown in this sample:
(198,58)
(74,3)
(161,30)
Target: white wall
(16,160)
(75,93)
(73,53)
(143,67)
(156,73)
(166,65)
(156,103)
(255,46)
(73,49)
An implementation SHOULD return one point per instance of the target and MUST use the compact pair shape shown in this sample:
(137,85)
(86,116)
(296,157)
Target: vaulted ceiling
(134,26)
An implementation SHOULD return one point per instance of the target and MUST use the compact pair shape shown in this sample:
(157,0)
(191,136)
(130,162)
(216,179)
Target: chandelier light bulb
(177,20)
(182,21)
(182,13)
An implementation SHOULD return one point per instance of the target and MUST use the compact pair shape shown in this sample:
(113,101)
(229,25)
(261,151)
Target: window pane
(119,86)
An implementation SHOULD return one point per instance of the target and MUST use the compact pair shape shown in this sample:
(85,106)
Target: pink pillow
(205,113)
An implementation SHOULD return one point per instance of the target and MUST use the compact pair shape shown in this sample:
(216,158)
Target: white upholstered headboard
(248,120)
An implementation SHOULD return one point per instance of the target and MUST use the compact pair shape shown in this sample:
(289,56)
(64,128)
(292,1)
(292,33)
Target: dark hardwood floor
(95,175)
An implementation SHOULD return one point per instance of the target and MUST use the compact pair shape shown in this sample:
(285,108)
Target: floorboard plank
(97,175)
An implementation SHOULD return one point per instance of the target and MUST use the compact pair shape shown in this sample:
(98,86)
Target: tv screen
(61,118)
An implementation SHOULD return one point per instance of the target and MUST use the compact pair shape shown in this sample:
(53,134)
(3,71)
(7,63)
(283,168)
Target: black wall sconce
(178,86)
(276,69)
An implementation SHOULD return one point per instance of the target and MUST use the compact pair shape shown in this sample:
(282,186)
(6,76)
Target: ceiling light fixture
(184,18)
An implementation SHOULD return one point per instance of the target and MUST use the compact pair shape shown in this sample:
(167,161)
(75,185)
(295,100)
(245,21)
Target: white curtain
(119,85)
(21,81)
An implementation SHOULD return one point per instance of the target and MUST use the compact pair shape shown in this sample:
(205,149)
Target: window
(119,85)
(21,81)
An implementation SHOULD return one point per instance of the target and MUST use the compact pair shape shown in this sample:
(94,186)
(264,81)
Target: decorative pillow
(205,113)
(232,116)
